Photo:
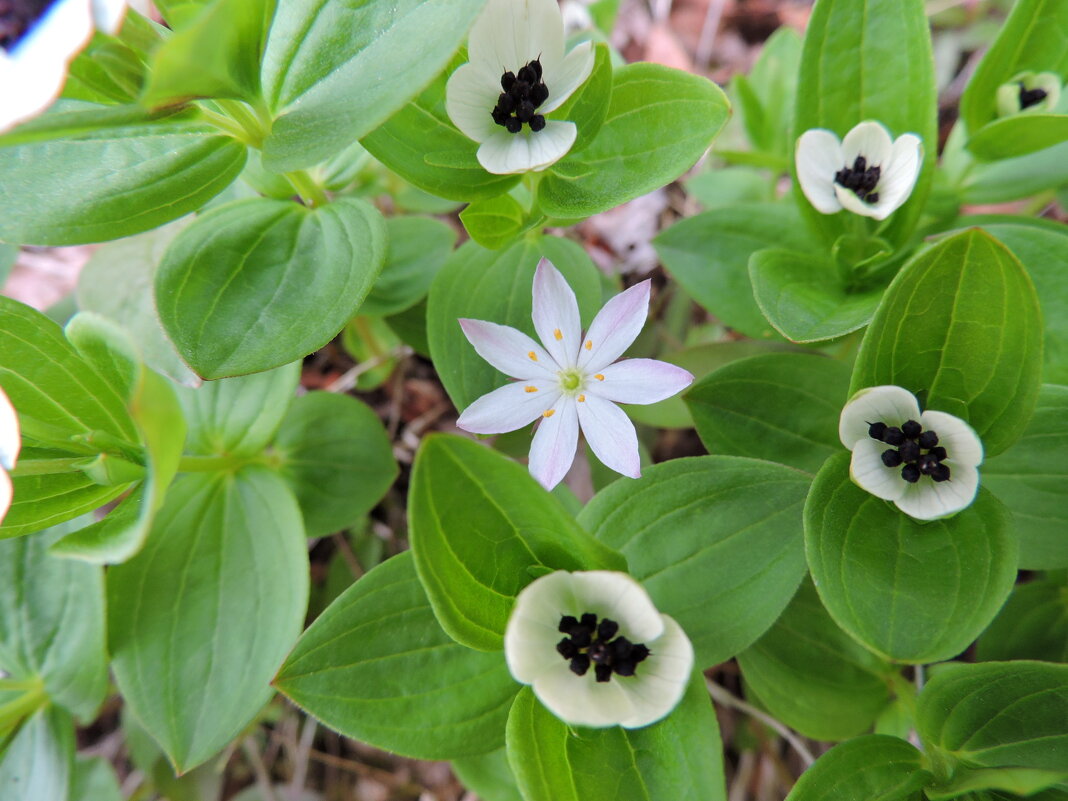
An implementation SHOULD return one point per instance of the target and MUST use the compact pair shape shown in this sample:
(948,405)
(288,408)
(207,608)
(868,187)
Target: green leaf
(1033,624)
(1019,135)
(869,60)
(909,591)
(38,761)
(238,416)
(479,526)
(642,145)
(1019,781)
(588,106)
(997,714)
(960,328)
(337,459)
(334,72)
(709,255)
(216,54)
(258,283)
(488,775)
(801,295)
(716,540)
(680,757)
(1032,39)
(201,619)
(103,183)
(1030,478)
(494,222)
(94,780)
(418,248)
(783,407)
(875,766)
(377,667)
(1015,178)
(766,94)
(496,286)
(813,676)
(52,621)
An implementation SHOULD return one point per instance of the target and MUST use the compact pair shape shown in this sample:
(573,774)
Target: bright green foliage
(873,766)
(37,762)
(588,106)
(488,775)
(377,666)
(960,328)
(417,250)
(716,540)
(494,222)
(766,94)
(909,591)
(258,283)
(782,407)
(1033,624)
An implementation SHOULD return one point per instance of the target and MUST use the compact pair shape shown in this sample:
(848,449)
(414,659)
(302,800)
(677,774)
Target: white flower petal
(6,493)
(532,633)
(10,436)
(615,327)
(660,680)
(818,158)
(504,153)
(850,202)
(869,473)
(555,441)
(870,140)
(885,404)
(580,700)
(510,351)
(556,315)
(930,500)
(509,407)
(470,96)
(639,381)
(108,14)
(610,433)
(962,444)
(510,33)
(898,176)
(563,80)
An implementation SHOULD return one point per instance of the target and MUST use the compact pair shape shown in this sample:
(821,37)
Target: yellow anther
(533,356)
(558,335)
(530,389)
(549,413)
(589,344)
(599,377)
(581,398)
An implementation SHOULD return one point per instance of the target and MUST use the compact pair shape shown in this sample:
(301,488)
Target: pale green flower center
(571,380)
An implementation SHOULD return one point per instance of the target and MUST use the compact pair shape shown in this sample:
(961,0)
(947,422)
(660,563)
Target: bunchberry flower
(38,38)
(10,442)
(570,380)
(866,173)
(596,650)
(924,462)
(517,74)
(1029,92)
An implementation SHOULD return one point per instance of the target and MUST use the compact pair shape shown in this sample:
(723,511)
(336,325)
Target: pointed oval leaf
(873,766)
(1033,624)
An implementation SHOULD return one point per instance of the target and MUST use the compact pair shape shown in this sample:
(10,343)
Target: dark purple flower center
(861,179)
(916,451)
(523,93)
(591,642)
(16,19)
(1030,97)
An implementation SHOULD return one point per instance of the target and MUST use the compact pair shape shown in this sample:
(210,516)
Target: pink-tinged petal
(556,315)
(614,328)
(510,351)
(610,433)
(962,444)
(509,407)
(886,404)
(553,448)
(10,436)
(638,381)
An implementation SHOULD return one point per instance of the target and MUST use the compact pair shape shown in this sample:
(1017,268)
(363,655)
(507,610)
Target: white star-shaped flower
(570,380)
(596,651)
(517,73)
(1029,92)
(924,462)
(35,52)
(866,173)
(10,443)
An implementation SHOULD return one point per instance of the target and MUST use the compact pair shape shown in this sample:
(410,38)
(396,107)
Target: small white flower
(517,74)
(925,463)
(866,173)
(1029,92)
(596,650)
(571,381)
(10,443)
(35,52)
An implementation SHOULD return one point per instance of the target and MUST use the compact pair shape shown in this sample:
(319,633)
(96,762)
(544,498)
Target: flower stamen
(916,451)
(860,179)
(523,93)
(592,642)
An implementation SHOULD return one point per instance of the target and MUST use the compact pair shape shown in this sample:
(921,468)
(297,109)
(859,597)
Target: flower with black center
(38,39)
(10,443)
(1033,92)
(517,74)
(867,173)
(596,651)
(570,380)
(925,462)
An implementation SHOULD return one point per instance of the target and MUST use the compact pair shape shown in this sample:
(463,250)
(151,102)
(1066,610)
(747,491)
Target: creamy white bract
(10,443)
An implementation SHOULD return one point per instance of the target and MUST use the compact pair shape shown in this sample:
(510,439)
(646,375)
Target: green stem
(905,690)
(26,704)
(103,442)
(250,123)
(227,125)
(215,464)
(308,188)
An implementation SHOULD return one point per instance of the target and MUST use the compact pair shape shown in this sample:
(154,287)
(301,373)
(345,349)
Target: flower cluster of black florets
(589,642)
(915,450)
(17,17)
(522,95)
(861,179)
(1030,97)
